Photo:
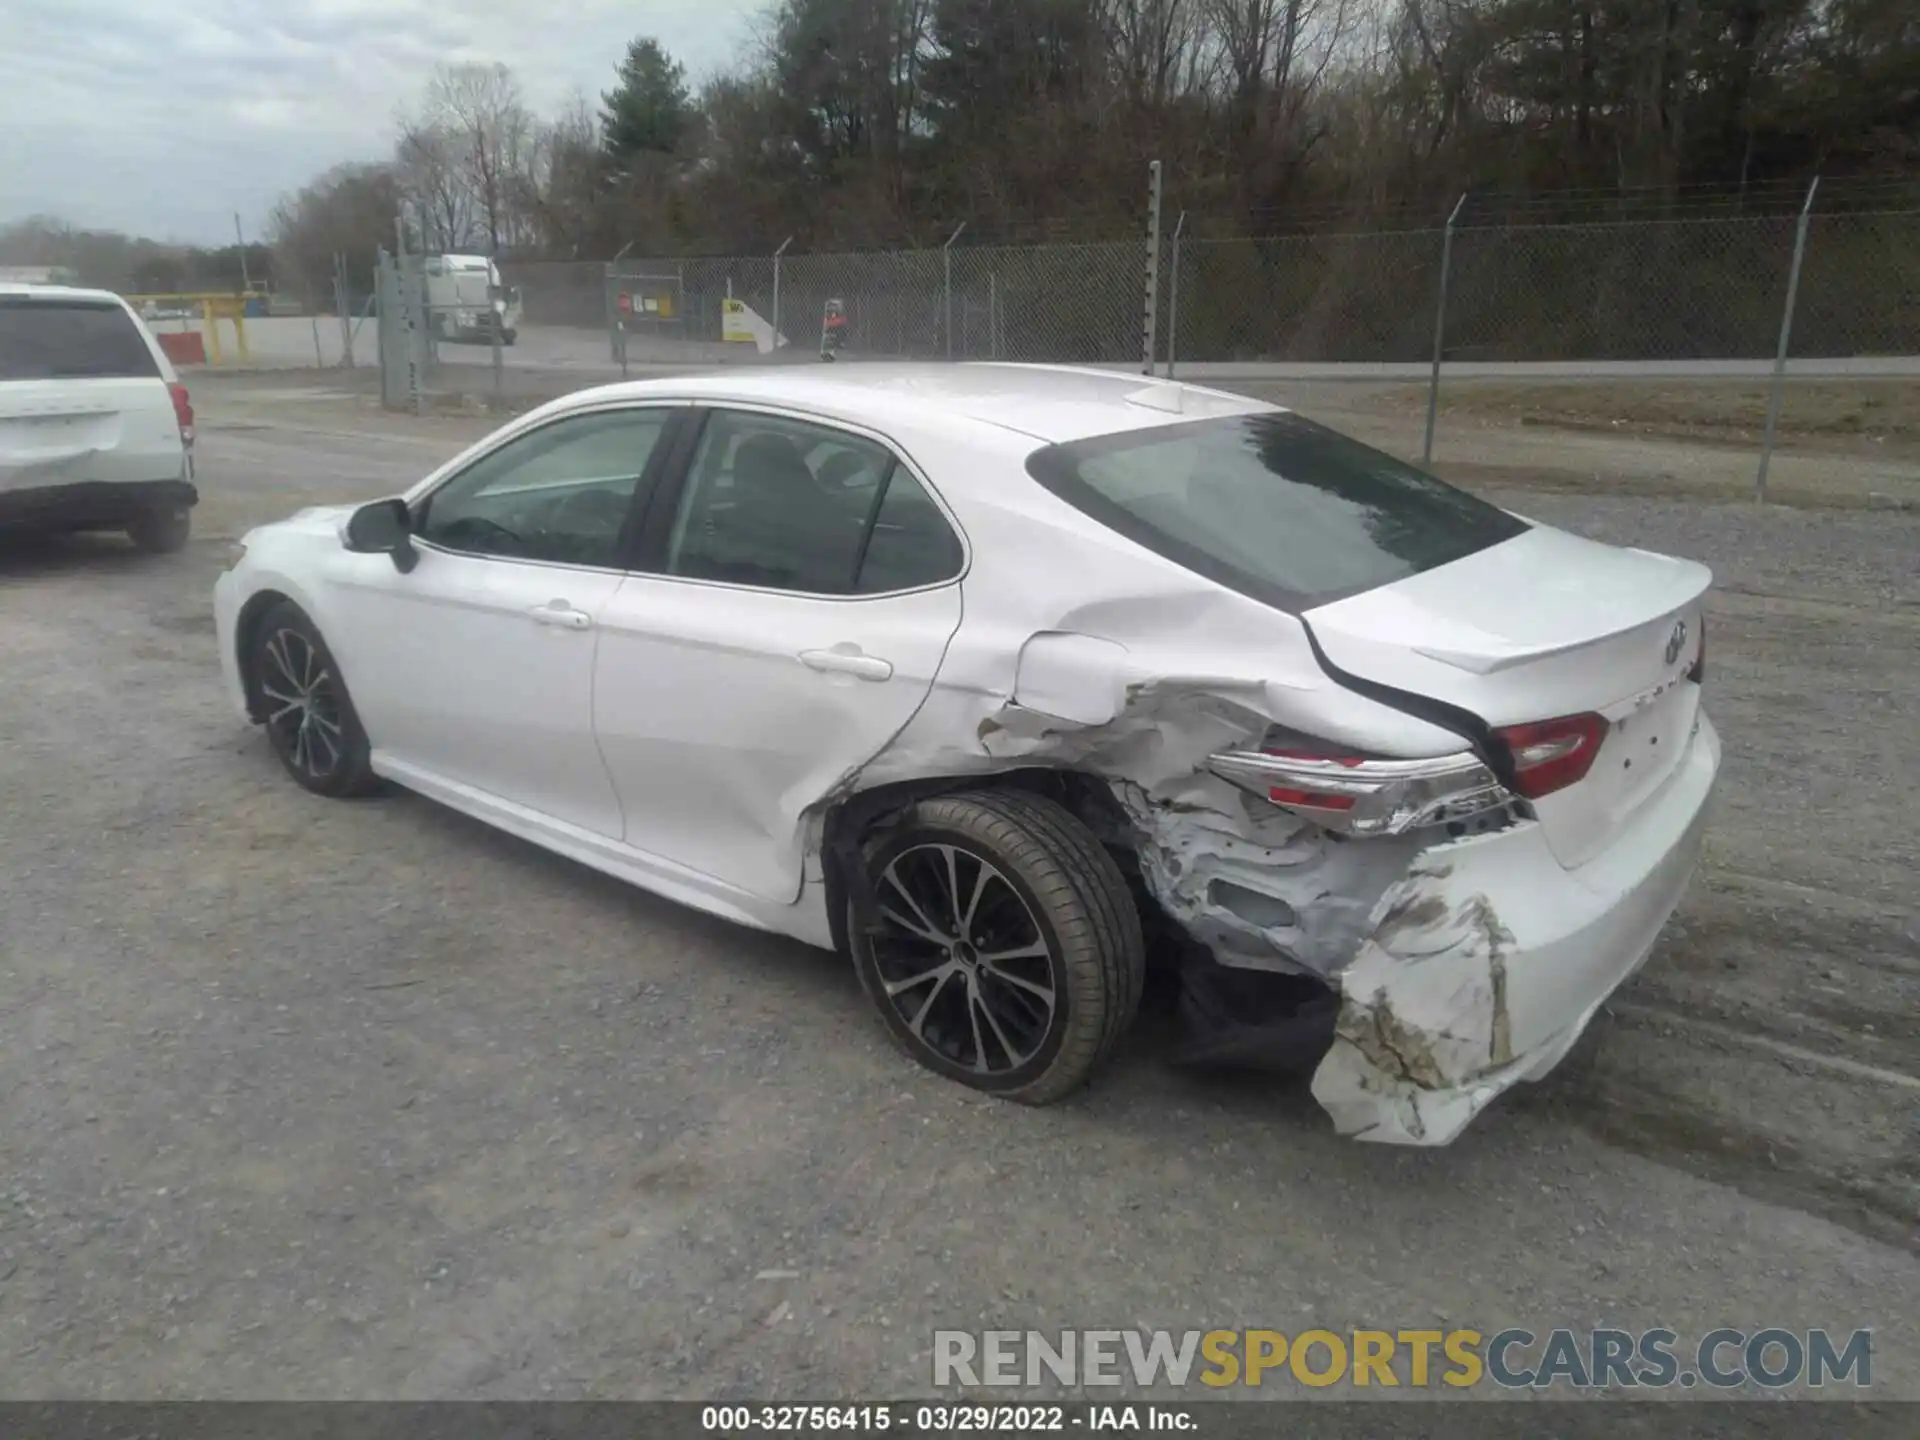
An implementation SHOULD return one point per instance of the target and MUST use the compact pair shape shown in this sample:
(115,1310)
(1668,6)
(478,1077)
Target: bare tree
(561,191)
(431,165)
(482,107)
(348,211)
(1152,43)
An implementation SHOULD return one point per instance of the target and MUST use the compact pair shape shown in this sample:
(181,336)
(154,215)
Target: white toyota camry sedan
(1007,680)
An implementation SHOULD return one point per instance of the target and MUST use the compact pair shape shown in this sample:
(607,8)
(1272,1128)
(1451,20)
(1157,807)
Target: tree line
(866,123)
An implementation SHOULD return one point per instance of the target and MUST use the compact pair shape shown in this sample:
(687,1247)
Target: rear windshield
(70,340)
(1272,505)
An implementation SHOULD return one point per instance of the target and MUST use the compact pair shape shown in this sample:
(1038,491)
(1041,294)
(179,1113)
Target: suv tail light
(1550,755)
(1698,673)
(1360,794)
(182,411)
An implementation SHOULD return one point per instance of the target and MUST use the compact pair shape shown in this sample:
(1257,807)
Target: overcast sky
(164,117)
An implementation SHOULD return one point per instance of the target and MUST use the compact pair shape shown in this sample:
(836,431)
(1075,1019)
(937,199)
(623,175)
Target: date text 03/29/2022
(946,1419)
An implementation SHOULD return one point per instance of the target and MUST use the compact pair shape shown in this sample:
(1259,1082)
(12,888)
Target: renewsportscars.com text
(1771,1358)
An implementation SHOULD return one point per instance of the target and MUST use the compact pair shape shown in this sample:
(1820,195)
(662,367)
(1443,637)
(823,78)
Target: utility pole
(239,240)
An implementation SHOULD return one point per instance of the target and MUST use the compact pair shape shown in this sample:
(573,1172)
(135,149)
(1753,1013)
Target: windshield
(1272,505)
(70,340)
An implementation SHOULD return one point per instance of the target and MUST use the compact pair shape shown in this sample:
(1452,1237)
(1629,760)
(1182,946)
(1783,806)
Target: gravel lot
(309,1099)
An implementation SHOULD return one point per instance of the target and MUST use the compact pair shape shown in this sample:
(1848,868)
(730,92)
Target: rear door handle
(562,615)
(849,661)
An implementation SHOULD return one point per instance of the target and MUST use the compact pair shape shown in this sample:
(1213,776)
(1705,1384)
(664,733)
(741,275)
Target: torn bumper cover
(1489,959)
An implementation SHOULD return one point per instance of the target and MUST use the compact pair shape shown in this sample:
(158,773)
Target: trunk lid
(1537,627)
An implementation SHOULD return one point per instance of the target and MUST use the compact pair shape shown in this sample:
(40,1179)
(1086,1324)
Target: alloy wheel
(963,960)
(303,703)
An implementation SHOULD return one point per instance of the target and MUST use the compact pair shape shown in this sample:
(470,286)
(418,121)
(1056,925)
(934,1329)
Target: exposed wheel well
(251,614)
(852,822)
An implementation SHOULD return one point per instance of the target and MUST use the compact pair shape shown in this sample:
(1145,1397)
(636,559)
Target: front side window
(786,505)
(560,494)
(1272,505)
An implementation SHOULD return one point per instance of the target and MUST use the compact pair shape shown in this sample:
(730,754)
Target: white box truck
(465,300)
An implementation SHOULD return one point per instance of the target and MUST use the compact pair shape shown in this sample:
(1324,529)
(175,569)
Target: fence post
(616,323)
(776,292)
(1151,314)
(946,265)
(1173,293)
(342,308)
(406,307)
(1440,330)
(1786,334)
(497,321)
(378,303)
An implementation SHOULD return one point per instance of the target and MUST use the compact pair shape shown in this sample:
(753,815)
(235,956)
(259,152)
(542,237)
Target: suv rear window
(1274,506)
(70,340)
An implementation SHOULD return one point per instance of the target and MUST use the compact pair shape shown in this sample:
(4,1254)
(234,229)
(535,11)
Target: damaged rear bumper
(1489,959)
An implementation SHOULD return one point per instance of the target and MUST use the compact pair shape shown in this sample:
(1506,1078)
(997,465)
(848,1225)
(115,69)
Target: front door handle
(848,661)
(560,614)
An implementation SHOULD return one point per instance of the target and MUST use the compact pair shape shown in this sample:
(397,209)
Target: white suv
(96,430)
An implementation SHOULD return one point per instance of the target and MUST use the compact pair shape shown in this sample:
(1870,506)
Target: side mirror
(384,527)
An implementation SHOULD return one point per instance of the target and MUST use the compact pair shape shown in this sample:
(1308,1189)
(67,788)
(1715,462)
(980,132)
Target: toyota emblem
(1677,641)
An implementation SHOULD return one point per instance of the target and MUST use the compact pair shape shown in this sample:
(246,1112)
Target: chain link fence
(1645,292)
(1681,290)
(1333,298)
(1860,286)
(1621,291)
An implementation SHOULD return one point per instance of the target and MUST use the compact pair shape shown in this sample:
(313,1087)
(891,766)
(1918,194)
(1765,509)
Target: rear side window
(910,543)
(1277,507)
(781,504)
(70,340)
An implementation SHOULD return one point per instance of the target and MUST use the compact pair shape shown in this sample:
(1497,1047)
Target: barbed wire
(1208,217)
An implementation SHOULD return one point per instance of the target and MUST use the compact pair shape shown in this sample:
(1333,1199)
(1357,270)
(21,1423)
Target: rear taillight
(1549,755)
(1698,674)
(1362,795)
(1308,799)
(182,411)
(1292,795)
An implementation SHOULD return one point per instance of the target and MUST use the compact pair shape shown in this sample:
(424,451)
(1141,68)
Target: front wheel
(310,719)
(1010,956)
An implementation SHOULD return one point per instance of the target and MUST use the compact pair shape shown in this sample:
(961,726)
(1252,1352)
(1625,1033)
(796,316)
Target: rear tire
(309,717)
(161,530)
(1013,958)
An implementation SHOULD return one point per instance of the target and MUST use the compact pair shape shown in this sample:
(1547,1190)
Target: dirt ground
(1838,444)
(1882,416)
(310,1099)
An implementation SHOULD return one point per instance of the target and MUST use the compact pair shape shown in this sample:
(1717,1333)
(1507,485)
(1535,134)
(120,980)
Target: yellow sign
(736,322)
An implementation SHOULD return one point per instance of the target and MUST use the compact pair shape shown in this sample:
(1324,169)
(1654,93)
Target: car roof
(58,292)
(1050,403)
